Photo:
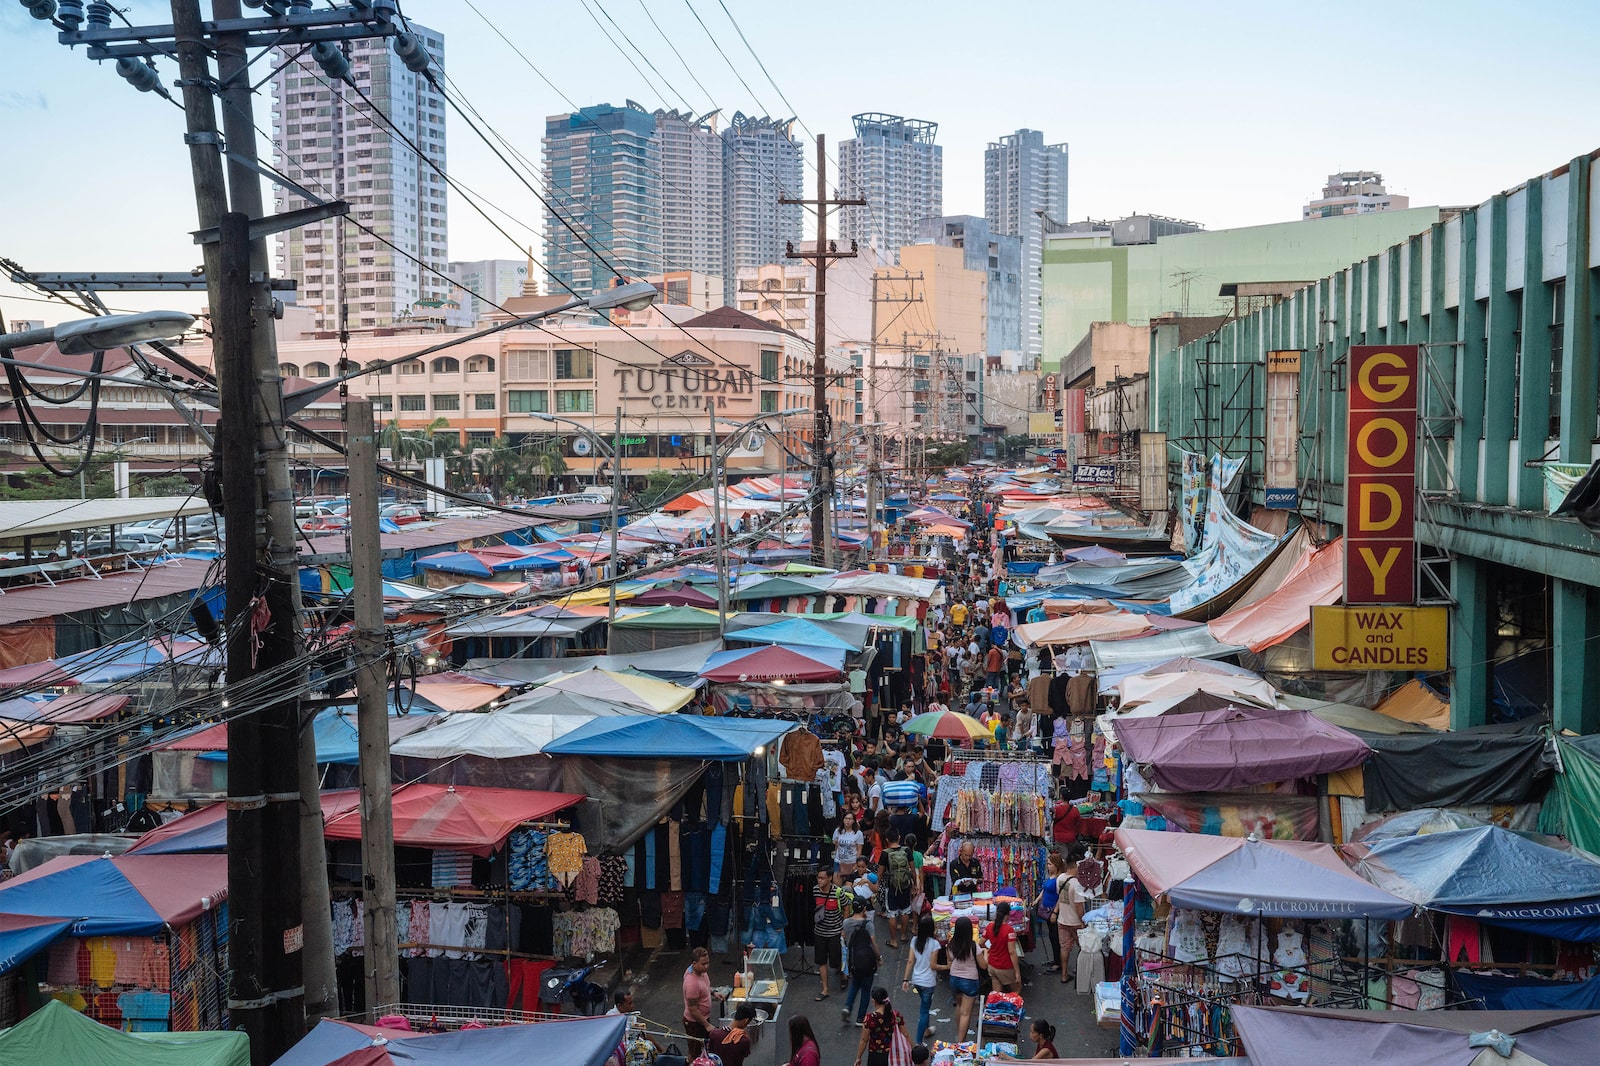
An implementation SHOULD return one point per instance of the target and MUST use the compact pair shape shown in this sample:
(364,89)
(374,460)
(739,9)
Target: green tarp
(1574,798)
(57,1035)
(669,618)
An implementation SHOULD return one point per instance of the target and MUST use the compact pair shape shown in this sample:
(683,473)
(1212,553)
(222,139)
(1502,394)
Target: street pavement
(658,997)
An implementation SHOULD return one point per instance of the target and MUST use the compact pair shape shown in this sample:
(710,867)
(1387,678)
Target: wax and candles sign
(1379,638)
(1381,475)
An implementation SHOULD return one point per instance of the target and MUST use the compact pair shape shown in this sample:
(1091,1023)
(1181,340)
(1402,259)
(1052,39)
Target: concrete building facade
(998,255)
(783,293)
(895,165)
(1024,191)
(1504,297)
(331,146)
(763,166)
(932,346)
(486,283)
(1089,278)
(1354,192)
(602,165)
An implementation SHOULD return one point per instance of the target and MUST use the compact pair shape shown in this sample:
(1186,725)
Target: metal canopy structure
(33,518)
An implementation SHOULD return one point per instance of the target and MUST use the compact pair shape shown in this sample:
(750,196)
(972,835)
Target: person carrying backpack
(861,952)
(898,875)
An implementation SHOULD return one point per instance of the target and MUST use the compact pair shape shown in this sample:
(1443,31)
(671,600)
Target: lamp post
(613,454)
(716,497)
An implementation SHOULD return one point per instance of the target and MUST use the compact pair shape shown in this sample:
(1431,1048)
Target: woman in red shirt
(1004,951)
(803,1049)
(878,1030)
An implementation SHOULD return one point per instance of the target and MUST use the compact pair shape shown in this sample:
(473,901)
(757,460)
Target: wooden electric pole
(821,256)
(372,713)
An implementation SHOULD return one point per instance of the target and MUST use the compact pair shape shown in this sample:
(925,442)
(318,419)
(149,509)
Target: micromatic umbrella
(947,725)
(769,664)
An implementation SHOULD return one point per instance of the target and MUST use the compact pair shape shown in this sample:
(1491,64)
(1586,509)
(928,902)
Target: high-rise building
(694,211)
(330,144)
(1024,183)
(999,255)
(602,165)
(894,165)
(488,283)
(1354,192)
(764,166)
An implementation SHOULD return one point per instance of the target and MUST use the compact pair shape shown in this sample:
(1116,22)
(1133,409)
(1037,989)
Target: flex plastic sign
(1381,475)
(1379,638)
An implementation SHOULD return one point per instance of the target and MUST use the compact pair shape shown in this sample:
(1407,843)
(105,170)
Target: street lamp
(613,455)
(101,333)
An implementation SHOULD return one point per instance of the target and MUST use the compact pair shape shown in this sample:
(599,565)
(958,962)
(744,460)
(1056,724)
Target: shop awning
(57,1035)
(774,664)
(634,690)
(1237,746)
(501,734)
(463,817)
(1196,643)
(574,1042)
(1269,878)
(1317,580)
(136,895)
(1294,1036)
(672,736)
(796,632)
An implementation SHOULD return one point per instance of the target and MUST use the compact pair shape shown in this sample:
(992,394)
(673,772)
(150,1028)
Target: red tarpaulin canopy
(773,664)
(448,816)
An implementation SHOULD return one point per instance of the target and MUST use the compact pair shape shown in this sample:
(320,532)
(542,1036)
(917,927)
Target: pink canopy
(773,663)
(1316,580)
(1237,746)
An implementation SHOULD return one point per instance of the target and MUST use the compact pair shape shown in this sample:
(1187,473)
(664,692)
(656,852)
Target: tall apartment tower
(335,149)
(893,164)
(602,165)
(1022,177)
(764,166)
(695,227)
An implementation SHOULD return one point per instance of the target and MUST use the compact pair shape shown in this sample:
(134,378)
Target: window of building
(413,367)
(571,400)
(480,438)
(483,401)
(574,364)
(382,403)
(769,400)
(446,401)
(446,364)
(413,403)
(317,370)
(480,364)
(1516,371)
(769,365)
(1558,325)
(288,370)
(525,402)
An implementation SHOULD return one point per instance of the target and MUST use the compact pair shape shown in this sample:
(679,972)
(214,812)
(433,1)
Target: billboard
(1379,638)
(1282,482)
(1380,481)
(1094,474)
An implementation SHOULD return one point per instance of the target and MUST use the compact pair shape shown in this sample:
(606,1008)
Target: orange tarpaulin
(1081,628)
(1316,580)
(1417,703)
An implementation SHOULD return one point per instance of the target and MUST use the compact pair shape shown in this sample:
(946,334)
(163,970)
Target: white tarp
(493,735)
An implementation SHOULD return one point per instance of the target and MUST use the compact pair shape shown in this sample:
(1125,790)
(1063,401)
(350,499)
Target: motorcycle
(571,984)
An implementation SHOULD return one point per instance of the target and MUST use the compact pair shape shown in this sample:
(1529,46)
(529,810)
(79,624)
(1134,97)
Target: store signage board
(1094,474)
(1380,475)
(1281,499)
(1379,638)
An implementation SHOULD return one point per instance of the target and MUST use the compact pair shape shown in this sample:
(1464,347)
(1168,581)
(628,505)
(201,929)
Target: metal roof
(448,531)
(86,594)
(32,518)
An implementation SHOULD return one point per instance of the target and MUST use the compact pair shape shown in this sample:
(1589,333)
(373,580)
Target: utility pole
(612,561)
(291,745)
(717,513)
(824,253)
(372,713)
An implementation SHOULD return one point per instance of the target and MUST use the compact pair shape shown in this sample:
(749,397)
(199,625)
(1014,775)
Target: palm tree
(504,469)
(413,444)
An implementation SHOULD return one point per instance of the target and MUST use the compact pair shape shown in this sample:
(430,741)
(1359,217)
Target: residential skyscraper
(336,150)
(764,166)
(893,164)
(1022,178)
(602,165)
(695,226)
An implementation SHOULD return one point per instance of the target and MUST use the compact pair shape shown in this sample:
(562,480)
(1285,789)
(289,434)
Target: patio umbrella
(947,725)
(772,663)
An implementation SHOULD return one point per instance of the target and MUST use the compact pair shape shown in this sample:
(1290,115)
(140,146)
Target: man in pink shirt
(697,1001)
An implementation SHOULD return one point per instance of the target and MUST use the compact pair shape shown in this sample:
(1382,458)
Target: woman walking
(1004,950)
(921,974)
(1044,910)
(963,969)
(878,1032)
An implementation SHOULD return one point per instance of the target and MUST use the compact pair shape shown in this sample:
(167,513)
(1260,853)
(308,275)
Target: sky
(1229,117)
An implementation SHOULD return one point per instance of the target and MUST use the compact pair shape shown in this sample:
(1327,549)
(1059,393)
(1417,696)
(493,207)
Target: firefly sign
(1381,475)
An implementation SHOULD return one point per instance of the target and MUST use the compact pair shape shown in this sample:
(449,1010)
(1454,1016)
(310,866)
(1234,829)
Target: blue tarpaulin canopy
(1495,876)
(578,1042)
(671,736)
(795,631)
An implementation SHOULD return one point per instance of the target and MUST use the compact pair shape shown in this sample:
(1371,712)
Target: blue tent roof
(578,1042)
(1494,875)
(671,736)
(24,936)
(794,631)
